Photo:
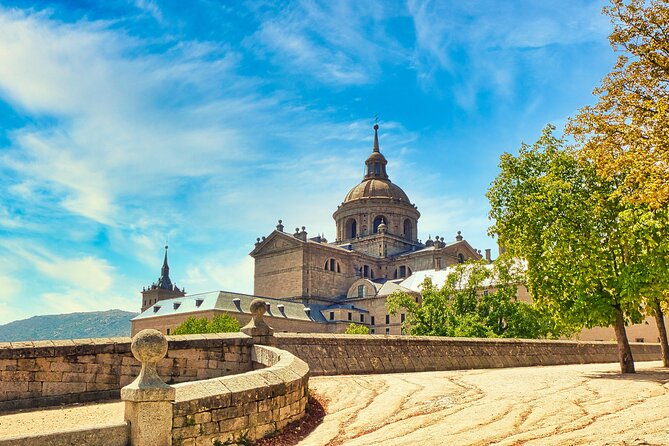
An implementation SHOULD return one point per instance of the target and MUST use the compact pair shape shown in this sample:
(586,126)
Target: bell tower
(162,289)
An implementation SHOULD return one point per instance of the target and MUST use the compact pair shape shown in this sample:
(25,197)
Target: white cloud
(86,272)
(481,44)
(214,273)
(334,42)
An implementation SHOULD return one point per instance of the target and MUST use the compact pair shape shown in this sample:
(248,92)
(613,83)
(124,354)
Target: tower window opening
(377,221)
(377,168)
(352,229)
(408,229)
(365,271)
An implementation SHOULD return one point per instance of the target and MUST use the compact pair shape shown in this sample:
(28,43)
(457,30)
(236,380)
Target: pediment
(276,242)
(464,247)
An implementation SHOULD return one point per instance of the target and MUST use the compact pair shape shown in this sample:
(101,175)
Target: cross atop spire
(376,137)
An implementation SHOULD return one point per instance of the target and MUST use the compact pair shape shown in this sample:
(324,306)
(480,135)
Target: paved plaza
(557,405)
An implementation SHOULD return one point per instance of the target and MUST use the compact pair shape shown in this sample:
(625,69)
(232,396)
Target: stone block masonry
(336,354)
(250,405)
(43,373)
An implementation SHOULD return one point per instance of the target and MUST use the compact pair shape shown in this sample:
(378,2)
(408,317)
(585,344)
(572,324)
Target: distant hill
(94,324)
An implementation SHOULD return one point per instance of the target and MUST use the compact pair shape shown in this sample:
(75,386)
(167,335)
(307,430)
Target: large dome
(376,188)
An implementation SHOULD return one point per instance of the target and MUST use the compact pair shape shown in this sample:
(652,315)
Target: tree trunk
(662,330)
(624,350)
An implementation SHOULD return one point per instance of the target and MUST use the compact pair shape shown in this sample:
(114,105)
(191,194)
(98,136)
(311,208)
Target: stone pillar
(257,327)
(148,400)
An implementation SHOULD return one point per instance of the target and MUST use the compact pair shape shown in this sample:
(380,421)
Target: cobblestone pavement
(558,405)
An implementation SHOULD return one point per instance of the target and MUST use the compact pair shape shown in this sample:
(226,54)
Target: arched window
(377,221)
(402,272)
(408,229)
(461,258)
(351,228)
(332,265)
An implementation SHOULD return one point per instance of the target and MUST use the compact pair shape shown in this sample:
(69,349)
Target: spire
(376,162)
(164,281)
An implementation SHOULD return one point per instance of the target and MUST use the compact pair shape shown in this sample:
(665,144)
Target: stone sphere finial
(257,326)
(149,346)
(258,308)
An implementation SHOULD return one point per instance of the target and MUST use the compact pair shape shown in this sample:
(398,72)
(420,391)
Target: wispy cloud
(482,45)
(334,42)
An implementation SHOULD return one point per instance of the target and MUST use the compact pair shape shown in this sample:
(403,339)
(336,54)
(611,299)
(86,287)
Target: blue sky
(123,123)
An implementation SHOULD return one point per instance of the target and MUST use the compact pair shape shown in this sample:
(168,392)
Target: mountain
(94,324)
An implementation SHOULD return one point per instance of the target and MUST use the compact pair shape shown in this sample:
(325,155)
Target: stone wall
(337,354)
(250,405)
(42,373)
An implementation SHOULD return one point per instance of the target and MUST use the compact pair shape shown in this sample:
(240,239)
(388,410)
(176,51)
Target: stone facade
(377,238)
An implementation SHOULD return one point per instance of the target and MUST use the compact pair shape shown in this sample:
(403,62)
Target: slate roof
(225,301)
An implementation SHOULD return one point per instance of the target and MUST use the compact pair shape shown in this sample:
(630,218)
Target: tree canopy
(476,300)
(626,133)
(221,323)
(591,256)
(356,329)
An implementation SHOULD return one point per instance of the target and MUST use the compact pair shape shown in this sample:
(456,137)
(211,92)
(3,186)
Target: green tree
(477,300)
(625,132)
(356,329)
(590,261)
(221,323)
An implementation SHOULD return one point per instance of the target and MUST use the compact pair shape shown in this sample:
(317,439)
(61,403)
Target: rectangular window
(168,331)
(361,290)
(350,317)
(437,263)
(485,292)
(372,321)
(387,330)
(362,318)
(371,331)
(332,315)
(402,317)
(387,318)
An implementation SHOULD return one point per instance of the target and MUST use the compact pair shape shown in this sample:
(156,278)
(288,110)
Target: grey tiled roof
(225,301)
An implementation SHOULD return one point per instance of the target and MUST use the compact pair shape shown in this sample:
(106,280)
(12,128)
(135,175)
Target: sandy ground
(60,419)
(560,405)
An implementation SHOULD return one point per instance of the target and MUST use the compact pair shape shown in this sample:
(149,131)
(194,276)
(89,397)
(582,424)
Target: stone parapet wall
(250,405)
(336,354)
(43,373)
